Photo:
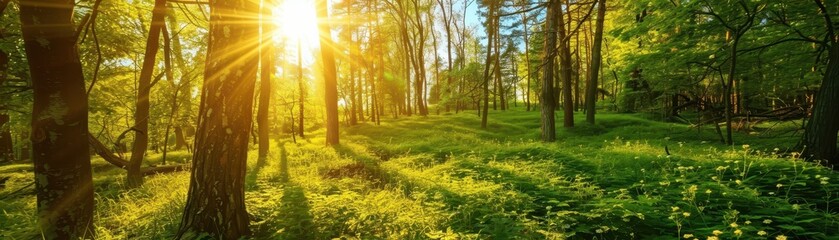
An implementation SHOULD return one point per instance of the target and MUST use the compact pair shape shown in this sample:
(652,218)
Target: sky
(296,20)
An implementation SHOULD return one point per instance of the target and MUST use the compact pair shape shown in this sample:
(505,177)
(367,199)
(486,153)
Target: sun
(296,20)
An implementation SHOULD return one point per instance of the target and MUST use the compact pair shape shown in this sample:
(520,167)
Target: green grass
(443,177)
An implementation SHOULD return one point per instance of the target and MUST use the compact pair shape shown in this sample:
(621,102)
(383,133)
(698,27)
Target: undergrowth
(442,177)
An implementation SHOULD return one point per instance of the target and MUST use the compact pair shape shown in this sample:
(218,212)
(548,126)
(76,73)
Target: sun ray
(296,20)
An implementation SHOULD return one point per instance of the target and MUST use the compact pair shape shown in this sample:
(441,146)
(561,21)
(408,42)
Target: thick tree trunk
(591,86)
(329,72)
(266,63)
(141,112)
(820,135)
(216,200)
(63,179)
(547,97)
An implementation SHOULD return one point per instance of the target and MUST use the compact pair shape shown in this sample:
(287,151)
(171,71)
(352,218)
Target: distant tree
(301,86)
(330,76)
(491,24)
(736,25)
(215,202)
(7,151)
(141,112)
(447,10)
(63,179)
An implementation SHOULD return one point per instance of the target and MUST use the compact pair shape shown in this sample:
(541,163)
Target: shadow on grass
(290,217)
(464,208)
(295,218)
(253,174)
(295,211)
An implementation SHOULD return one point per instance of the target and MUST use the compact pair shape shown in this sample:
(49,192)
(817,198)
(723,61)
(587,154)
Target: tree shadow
(490,219)
(284,176)
(253,173)
(290,217)
(295,218)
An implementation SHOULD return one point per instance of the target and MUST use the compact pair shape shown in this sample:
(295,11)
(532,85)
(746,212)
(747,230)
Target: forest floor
(443,177)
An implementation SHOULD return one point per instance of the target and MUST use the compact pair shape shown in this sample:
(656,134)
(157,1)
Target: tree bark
(820,134)
(591,86)
(216,199)
(63,176)
(329,72)
(141,112)
(547,97)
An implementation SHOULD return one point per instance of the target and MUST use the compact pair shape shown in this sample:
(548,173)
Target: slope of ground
(442,177)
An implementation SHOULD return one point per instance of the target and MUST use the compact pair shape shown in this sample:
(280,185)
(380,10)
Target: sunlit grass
(443,177)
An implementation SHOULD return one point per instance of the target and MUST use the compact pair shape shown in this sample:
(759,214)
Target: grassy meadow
(443,177)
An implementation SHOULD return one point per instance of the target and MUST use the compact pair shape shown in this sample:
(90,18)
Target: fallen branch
(112,158)
(164,169)
(105,153)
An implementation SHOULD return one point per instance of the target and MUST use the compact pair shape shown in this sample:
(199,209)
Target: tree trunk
(487,75)
(820,134)
(301,85)
(447,23)
(547,96)
(330,78)
(524,20)
(7,151)
(141,112)
(499,90)
(63,178)
(266,63)
(353,55)
(170,76)
(591,86)
(216,200)
(728,87)
(565,69)
(185,100)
